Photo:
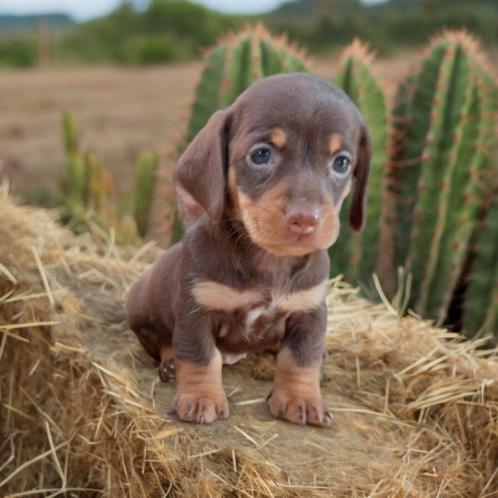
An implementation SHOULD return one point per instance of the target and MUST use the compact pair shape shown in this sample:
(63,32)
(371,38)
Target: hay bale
(83,412)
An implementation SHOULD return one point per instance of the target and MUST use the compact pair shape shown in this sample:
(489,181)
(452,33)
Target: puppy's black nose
(303,220)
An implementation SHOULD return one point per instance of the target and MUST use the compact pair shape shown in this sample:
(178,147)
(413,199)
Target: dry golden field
(120,111)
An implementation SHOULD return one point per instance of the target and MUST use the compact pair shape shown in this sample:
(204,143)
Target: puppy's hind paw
(167,370)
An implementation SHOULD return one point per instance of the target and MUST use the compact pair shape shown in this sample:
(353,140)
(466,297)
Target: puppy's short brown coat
(271,173)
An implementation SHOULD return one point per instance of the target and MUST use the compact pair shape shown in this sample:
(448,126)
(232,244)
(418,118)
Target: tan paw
(285,406)
(202,409)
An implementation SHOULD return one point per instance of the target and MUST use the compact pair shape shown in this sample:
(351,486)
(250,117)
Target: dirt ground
(120,112)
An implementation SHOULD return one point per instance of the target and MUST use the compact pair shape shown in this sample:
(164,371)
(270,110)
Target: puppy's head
(281,160)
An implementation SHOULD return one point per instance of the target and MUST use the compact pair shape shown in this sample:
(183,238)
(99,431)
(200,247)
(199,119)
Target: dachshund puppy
(271,173)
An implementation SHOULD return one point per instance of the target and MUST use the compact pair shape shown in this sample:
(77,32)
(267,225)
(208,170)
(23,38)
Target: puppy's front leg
(200,396)
(296,395)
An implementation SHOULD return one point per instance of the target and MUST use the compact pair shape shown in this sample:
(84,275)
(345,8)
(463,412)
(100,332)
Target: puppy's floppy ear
(202,168)
(357,212)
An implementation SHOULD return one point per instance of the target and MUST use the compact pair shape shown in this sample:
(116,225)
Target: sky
(86,9)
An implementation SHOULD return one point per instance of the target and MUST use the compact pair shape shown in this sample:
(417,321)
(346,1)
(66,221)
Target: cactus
(481,299)
(469,172)
(86,185)
(144,190)
(74,181)
(442,151)
(98,185)
(353,255)
(87,190)
(74,185)
(233,65)
(410,119)
(70,133)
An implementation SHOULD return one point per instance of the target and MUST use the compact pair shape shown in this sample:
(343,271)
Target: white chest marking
(304,300)
(216,296)
(219,297)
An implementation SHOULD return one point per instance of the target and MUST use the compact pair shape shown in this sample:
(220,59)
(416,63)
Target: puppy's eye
(341,164)
(261,155)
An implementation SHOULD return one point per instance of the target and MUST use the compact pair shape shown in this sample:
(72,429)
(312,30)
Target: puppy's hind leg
(153,335)
(167,364)
(160,349)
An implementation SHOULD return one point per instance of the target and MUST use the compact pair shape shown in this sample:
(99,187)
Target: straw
(415,406)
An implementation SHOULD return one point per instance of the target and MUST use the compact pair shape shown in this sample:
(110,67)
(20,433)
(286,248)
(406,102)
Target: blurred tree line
(387,26)
(161,31)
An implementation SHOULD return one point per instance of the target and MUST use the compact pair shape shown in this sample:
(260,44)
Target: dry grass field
(120,111)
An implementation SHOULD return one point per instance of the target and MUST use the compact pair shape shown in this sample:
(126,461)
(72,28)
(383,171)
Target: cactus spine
(233,64)
(356,255)
(446,133)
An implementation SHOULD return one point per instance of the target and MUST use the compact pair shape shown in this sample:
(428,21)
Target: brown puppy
(271,172)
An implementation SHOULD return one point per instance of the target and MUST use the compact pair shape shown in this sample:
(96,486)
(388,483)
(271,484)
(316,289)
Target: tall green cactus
(481,299)
(353,255)
(74,181)
(84,184)
(70,133)
(74,185)
(410,119)
(445,135)
(231,67)
(144,190)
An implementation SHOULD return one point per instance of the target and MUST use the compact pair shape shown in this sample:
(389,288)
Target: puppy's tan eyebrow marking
(335,143)
(278,137)
(215,296)
(304,300)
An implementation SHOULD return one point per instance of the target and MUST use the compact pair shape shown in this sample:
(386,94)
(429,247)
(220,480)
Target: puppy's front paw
(285,405)
(202,409)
